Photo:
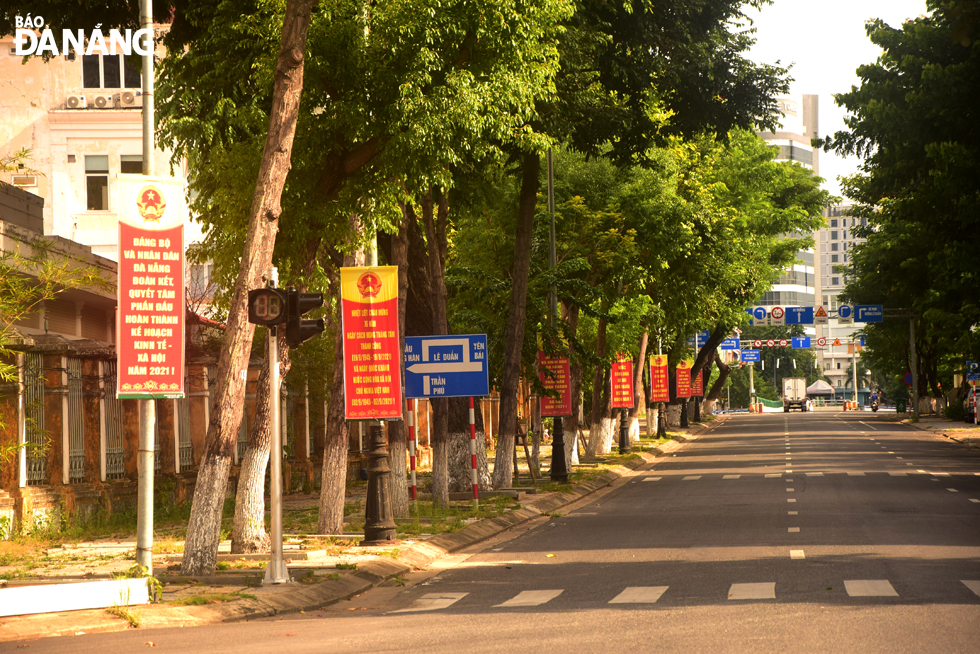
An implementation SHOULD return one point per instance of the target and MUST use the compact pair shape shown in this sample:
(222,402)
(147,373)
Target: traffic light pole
(276,572)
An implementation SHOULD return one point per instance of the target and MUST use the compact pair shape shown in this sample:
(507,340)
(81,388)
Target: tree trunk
(204,525)
(435,233)
(571,423)
(248,532)
(460,462)
(600,420)
(397,431)
(639,396)
(724,370)
(537,430)
(503,469)
(333,476)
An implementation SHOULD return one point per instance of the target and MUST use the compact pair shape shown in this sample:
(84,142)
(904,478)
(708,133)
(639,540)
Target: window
(131,164)
(833,223)
(834,258)
(833,247)
(97,182)
(845,234)
(111,71)
(835,281)
(834,235)
(864,222)
(845,258)
(838,365)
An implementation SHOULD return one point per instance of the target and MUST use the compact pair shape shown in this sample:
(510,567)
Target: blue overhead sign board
(699,339)
(730,344)
(799,315)
(446,366)
(751,355)
(868,313)
(801,342)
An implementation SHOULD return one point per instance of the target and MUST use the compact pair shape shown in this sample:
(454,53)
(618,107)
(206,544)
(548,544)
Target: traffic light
(267,306)
(297,329)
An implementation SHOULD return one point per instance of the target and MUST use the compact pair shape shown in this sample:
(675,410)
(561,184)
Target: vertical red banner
(683,377)
(622,384)
(659,379)
(372,352)
(150,316)
(559,380)
(697,388)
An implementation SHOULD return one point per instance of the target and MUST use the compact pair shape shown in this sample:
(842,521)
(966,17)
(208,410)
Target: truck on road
(794,393)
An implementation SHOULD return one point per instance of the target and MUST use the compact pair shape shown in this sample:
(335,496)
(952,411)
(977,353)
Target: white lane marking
(891,452)
(639,595)
(933,480)
(814,474)
(731,476)
(906,463)
(899,474)
(797,554)
(870,588)
(531,598)
(952,490)
(433,602)
(653,478)
(855,474)
(792,513)
(789,458)
(790,490)
(692,478)
(972,585)
(752,591)
(788,470)
(975,501)
(940,474)
(788,480)
(869,426)
(899,457)
(922,471)
(770,476)
(791,500)
(793,530)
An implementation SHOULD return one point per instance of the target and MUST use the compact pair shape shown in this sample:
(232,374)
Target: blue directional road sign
(801,342)
(844,312)
(730,344)
(973,370)
(751,355)
(446,366)
(759,315)
(699,339)
(799,316)
(868,313)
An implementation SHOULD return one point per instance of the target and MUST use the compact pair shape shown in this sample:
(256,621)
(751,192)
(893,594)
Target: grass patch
(134,619)
(210,598)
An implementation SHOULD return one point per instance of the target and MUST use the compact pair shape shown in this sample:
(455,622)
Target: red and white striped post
(411,451)
(473,475)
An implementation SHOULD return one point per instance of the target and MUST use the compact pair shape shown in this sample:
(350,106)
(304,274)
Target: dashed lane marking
(770,476)
(791,500)
(731,476)
(790,490)
(855,474)
(975,501)
(870,588)
(797,554)
(793,530)
(972,585)
(792,513)
(639,595)
(752,591)
(814,474)
(531,598)
(952,490)
(433,602)
(692,478)
(899,474)
(652,478)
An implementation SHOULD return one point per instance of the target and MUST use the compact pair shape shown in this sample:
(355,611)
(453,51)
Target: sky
(826,42)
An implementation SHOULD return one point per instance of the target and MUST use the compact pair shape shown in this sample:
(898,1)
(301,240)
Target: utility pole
(559,468)
(854,369)
(276,572)
(147,407)
(914,369)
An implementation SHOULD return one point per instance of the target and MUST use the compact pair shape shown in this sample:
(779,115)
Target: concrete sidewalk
(961,432)
(318,581)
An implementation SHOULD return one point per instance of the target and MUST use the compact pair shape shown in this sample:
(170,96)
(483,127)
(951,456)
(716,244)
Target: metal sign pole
(473,469)
(276,572)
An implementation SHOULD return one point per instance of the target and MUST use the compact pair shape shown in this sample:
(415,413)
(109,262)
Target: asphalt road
(815,532)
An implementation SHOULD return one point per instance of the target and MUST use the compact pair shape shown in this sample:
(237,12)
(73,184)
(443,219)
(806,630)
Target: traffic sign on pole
(801,342)
(799,315)
(820,316)
(777,316)
(760,317)
(821,342)
(869,313)
(751,355)
(446,366)
(730,344)
(844,314)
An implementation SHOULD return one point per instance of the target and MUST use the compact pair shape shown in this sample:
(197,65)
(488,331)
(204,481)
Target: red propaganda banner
(559,380)
(683,374)
(659,379)
(697,388)
(622,384)
(150,316)
(372,359)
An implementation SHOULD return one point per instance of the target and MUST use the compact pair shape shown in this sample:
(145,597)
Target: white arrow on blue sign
(730,344)
(868,312)
(844,311)
(446,366)
(801,342)
(799,315)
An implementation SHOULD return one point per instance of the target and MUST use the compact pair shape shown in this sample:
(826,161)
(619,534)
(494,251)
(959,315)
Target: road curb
(300,597)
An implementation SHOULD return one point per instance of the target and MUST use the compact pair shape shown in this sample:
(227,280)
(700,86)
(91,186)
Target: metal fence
(115,466)
(76,422)
(36,437)
(186,453)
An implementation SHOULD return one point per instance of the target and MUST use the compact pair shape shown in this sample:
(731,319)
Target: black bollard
(684,419)
(624,433)
(697,409)
(661,420)
(379,522)
(559,467)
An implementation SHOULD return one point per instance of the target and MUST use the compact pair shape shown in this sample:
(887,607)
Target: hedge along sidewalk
(271,600)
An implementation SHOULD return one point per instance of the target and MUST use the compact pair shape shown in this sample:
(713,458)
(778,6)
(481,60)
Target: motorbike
(874,405)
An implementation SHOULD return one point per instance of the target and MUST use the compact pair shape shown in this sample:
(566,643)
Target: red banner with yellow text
(369,311)
(622,384)
(150,316)
(659,379)
(697,387)
(683,377)
(558,378)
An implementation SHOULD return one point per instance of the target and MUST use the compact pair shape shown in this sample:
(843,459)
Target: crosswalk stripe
(752,591)
(531,598)
(778,474)
(975,501)
(952,490)
(972,585)
(731,476)
(814,474)
(639,595)
(433,602)
(797,554)
(870,588)
(692,478)
(652,478)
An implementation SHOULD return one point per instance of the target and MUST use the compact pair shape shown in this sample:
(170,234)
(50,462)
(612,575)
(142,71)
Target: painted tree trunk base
(460,462)
(204,526)
(248,534)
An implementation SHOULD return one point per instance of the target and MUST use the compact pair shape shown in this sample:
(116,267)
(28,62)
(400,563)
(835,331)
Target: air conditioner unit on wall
(130,99)
(102,102)
(75,102)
